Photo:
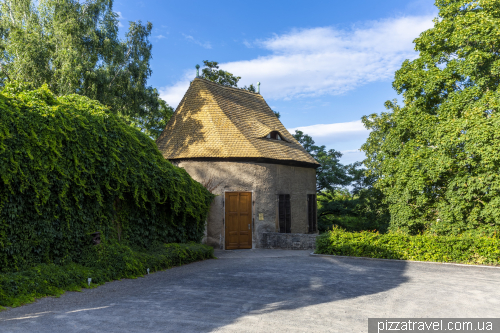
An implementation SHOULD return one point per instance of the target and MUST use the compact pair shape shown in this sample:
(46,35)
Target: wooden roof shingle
(218,122)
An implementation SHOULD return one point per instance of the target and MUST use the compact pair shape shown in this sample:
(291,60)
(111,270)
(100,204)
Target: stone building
(229,140)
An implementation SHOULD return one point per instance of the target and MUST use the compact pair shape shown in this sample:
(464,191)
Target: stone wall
(276,240)
(266,181)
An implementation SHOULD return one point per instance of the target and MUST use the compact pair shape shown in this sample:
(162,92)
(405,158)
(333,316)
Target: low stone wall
(276,240)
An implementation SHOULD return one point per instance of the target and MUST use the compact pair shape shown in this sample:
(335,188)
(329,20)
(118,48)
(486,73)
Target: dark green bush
(68,169)
(348,223)
(394,245)
(363,210)
(104,262)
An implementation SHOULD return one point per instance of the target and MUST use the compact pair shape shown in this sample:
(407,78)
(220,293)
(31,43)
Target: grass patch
(103,263)
(463,249)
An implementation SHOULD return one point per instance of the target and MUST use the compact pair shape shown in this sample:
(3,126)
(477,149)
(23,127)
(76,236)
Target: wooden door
(238,220)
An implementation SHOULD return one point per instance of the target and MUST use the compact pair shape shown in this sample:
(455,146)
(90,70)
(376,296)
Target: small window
(274,135)
(284,213)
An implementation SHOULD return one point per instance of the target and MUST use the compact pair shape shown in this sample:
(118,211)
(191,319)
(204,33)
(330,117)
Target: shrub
(68,168)
(105,262)
(346,222)
(425,247)
(352,212)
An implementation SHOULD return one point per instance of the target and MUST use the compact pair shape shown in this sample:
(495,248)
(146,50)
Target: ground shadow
(209,295)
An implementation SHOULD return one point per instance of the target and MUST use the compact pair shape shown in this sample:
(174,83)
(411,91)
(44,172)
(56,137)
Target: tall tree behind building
(436,157)
(73,47)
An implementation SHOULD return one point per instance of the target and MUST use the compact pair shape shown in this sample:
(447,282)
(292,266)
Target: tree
(361,208)
(73,47)
(331,174)
(436,156)
(212,73)
(155,122)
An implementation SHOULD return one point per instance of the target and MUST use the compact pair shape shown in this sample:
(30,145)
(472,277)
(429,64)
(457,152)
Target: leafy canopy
(212,73)
(73,47)
(436,156)
(361,208)
(331,174)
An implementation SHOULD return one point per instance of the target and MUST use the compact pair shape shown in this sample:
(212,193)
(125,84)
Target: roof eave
(249,160)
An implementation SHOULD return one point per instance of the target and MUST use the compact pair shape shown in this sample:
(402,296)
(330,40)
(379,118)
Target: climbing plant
(69,168)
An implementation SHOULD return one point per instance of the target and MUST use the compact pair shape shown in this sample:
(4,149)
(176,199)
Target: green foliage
(73,47)
(363,209)
(331,174)
(397,245)
(104,262)
(251,88)
(346,222)
(155,122)
(436,157)
(68,168)
(352,212)
(212,73)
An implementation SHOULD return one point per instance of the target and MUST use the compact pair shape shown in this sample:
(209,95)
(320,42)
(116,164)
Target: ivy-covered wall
(68,169)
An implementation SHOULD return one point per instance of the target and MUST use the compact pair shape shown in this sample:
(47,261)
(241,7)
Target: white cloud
(339,136)
(173,94)
(324,60)
(351,156)
(333,134)
(160,37)
(120,17)
(206,45)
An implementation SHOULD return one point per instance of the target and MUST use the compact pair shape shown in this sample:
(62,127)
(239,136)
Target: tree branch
(10,12)
(3,70)
(121,67)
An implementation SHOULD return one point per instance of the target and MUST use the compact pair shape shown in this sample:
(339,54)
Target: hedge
(69,168)
(394,245)
(105,262)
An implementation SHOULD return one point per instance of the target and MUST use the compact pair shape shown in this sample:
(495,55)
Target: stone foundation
(276,240)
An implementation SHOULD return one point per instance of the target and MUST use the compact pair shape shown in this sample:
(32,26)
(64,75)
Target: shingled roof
(218,122)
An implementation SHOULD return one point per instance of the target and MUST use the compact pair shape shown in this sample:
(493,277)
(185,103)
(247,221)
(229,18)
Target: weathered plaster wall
(265,181)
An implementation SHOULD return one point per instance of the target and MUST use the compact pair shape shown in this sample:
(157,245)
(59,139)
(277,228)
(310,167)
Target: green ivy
(465,249)
(103,263)
(68,168)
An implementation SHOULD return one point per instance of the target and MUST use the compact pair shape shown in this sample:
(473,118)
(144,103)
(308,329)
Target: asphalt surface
(267,291)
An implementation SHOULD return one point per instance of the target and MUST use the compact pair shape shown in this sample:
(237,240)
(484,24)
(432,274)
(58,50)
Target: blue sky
(321,64)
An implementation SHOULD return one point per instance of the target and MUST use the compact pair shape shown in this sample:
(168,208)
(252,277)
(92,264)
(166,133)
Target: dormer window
(274,135)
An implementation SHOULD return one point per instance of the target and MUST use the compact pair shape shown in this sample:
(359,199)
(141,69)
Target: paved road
(267,291)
